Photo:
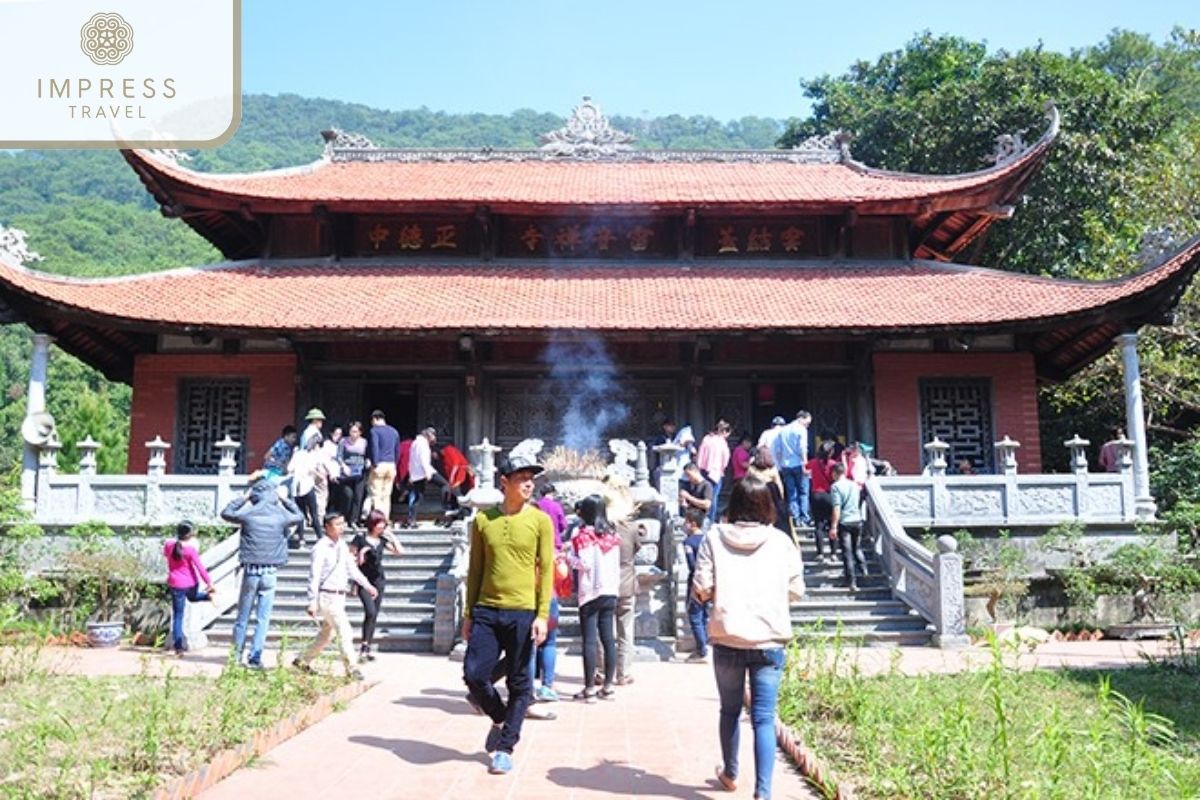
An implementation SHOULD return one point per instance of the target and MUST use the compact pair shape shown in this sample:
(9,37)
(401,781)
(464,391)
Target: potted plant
(98,564)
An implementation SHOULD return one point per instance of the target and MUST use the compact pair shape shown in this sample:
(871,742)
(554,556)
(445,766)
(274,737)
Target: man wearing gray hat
(509,583)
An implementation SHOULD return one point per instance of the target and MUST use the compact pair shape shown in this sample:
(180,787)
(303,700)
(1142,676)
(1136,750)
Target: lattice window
(208,410)
(959,412)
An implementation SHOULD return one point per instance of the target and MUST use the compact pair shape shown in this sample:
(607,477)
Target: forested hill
(86,213)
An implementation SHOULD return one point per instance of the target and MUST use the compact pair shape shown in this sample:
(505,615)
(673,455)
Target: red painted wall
(156,398)
(898,402)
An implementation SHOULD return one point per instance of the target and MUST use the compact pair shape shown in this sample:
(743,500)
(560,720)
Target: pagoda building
(485,292)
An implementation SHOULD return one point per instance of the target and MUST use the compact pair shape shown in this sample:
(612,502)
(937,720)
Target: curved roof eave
(165,178)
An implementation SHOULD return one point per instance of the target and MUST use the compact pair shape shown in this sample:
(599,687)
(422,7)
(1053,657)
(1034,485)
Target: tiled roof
(403,296)
(600,183)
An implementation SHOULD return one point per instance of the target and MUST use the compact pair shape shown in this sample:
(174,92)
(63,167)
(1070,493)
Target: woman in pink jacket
(750,573)
(184,574)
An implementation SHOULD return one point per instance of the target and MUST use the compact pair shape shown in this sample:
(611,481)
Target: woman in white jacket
(750,573)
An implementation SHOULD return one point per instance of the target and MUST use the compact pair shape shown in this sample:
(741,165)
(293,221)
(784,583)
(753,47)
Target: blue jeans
(258,591)
(416,490)
(698,618)
(179,600)
(495,631)
(795,484)
(715,508)
(547,654)
(765,668)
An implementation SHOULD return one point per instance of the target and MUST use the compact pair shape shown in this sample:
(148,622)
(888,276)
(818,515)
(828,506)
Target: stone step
(872,621)
(913,638)
(849,604)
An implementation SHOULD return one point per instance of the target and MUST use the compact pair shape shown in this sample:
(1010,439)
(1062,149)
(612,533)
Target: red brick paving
(413,735)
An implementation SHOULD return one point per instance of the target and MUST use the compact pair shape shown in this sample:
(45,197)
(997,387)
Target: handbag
(564,583)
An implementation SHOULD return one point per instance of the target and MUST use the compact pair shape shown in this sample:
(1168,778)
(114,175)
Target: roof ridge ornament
(587,134)
(836,141)
(175,157)
(338,139)
(1011,146)
(1157,244)
(14,248)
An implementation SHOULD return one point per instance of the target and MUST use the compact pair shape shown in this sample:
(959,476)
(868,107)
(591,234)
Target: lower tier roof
(317,299)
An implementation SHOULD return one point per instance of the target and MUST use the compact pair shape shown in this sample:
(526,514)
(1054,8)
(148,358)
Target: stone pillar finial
(485,494)
(228,449)
(1078,447)
(1124,454)
(48,455)
(87,455)
(669,472)
(1006,449)
(937,450)
(157,465)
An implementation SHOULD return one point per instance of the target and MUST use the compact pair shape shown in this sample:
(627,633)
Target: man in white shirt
(332,570)
(767,438)
(420,471)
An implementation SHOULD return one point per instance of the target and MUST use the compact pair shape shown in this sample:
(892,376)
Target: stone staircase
(871,616)
(406,620)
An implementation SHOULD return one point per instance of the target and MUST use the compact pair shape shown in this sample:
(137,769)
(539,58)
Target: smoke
(584,373)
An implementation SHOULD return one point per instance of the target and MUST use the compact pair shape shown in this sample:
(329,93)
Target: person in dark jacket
(265,519)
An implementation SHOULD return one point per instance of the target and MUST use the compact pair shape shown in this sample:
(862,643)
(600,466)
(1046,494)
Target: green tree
(1125,165)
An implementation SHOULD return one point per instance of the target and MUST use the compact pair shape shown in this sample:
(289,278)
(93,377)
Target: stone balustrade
(156,498)
(936,498)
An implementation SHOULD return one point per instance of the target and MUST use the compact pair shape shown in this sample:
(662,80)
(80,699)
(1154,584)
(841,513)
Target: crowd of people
(742,573)
(357,470)
(527,554)
(817,489)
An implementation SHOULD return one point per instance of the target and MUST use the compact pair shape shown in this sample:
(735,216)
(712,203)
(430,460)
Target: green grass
(65,736)
(998,733)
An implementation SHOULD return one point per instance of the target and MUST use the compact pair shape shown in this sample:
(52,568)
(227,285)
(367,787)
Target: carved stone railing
(155,498)
(930,583)
(938,499)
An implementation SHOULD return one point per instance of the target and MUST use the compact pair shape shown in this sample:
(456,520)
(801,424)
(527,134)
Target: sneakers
(696,657)
(493,741)
(545,694)
(502,763)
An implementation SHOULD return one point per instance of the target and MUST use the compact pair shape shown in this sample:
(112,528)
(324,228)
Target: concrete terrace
(414,736)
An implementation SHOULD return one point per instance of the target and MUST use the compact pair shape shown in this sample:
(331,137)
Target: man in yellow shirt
(508,603)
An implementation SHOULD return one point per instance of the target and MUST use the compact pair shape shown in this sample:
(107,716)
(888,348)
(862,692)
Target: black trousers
(307,503)
(597,618)
(352,489)
(822,511)
(850,540)
(496,631)
(371,606)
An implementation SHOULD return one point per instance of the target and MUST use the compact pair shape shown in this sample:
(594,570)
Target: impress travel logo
(135,73)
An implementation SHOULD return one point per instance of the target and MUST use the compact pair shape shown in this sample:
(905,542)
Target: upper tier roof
(579,172)
(588,165)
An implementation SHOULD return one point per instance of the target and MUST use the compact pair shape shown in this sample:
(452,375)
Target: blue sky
(654,57)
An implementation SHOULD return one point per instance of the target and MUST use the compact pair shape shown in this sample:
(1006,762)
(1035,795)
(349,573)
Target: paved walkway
(413,735)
